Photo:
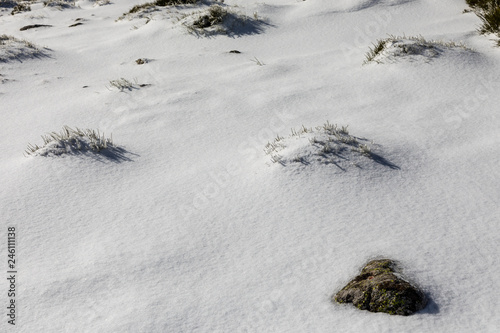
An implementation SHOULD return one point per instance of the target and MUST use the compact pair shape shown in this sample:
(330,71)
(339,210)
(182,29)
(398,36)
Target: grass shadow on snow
(382,161)
(246,27)
(371,155)
(113,154)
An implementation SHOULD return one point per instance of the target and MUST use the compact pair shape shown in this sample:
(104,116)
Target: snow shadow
(431,307)
(8,4)
(371,3)
(21,57)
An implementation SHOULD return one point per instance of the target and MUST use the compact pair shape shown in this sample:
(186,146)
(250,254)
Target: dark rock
(33,26)
(75,24)
(235,51)
(379,288)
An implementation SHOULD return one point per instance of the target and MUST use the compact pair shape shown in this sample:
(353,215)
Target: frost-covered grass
(326,144)
(101,2)
(207,19)
(122,84)
(60,3)
(69,141)
(151,6)
(220,19)
(12,48)
(400,46)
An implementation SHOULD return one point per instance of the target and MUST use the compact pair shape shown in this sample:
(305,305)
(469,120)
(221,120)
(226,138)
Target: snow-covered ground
(189,226)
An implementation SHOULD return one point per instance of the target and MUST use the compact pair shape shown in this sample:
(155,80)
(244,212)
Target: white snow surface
(191,227)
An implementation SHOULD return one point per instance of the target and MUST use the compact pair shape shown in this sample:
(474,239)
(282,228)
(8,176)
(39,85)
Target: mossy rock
(378,289)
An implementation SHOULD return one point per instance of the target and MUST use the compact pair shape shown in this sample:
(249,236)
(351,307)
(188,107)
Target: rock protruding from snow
(378,288)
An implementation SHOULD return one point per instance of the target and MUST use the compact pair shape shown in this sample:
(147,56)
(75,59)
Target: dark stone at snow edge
(33,26)
(378,289)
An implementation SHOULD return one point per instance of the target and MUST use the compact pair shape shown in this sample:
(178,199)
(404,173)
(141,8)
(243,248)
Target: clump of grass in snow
(408,45)
(206,21)
(69,141)
(364,149)
(329,143)
(4,40)
(21,8)
(12,48)
(60,3)
(214,16)
(138,8)
(220,19)
(101,2)
(489,13)
(377,49)
(160,3)
(483,4)
(174,2)
(491,22)
(122,84)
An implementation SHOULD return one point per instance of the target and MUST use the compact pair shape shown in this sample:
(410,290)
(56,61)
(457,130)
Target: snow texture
(192,228)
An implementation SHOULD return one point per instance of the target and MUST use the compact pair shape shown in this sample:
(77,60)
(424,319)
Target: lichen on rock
(379,288)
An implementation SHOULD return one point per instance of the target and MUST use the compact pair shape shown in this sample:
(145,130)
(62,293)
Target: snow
(191,227)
